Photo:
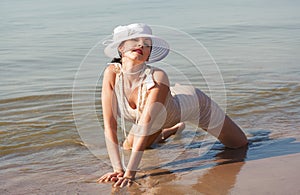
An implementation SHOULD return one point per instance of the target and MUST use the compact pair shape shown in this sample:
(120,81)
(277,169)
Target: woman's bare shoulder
(110,74)
(160,76)
(111,69)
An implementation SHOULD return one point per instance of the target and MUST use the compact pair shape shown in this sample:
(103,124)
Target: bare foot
(180,126)
(166,133)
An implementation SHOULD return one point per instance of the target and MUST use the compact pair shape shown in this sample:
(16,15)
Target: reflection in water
(213,173)
(222,177)
(219,178)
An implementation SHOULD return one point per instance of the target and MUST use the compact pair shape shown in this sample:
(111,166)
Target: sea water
(48,48)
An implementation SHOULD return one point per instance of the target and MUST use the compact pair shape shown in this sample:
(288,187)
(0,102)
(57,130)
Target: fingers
(122,182)
(108,177)
(129,183)
(118,178)
(101,179)
(118,183)
(114,179)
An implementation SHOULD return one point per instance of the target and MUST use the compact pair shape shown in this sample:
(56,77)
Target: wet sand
(275,175)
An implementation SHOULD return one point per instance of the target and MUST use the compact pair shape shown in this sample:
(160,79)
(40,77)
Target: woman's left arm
(151,118)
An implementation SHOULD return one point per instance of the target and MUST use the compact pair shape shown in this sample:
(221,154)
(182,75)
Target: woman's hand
(123,181)
(110,177)
(116,177)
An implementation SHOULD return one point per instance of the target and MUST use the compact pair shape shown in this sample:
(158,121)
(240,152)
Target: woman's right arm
(109,110)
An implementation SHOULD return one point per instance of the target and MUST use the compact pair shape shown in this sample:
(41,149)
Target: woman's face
(137,49)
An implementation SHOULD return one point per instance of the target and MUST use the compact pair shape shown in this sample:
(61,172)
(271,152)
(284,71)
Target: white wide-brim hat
(159,50)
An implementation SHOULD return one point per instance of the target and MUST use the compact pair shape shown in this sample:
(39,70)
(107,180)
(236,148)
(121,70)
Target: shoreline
(273,175)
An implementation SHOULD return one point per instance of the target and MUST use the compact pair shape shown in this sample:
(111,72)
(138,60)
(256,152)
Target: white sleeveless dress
(184,103)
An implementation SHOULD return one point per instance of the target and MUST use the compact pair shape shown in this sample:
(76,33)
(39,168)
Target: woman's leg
(127,144)
(157,137)
(168,132)
(213,120)
(230,134)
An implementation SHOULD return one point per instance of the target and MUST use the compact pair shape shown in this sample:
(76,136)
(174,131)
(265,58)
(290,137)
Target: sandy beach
(52,50)
(275,175)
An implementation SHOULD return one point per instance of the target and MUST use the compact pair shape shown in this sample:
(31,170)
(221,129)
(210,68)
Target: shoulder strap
(149,82)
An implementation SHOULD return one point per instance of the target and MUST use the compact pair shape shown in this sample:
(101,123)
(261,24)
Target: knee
(127,145)
(241,143)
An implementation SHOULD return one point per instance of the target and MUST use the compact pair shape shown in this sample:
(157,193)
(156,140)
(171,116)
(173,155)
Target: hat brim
(160,48)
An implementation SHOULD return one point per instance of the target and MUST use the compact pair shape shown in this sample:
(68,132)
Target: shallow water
(255,45)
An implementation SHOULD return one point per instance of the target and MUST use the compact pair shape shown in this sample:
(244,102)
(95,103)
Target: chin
(138,59)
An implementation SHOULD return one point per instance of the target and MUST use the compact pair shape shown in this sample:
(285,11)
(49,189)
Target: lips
(139,51)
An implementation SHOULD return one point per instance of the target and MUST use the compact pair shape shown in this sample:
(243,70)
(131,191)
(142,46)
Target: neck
(132,68)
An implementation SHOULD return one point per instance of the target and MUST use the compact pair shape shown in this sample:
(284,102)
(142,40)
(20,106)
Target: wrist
(118,171)
(130,174)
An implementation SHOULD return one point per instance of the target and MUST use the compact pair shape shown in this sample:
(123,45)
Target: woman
(142,94)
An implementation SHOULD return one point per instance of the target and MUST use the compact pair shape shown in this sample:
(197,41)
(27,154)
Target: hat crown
(122,32)
(159,47)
